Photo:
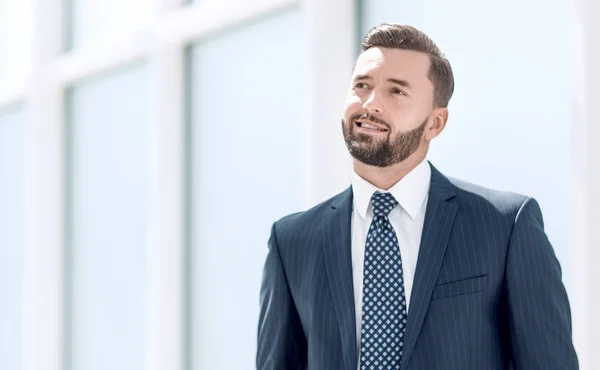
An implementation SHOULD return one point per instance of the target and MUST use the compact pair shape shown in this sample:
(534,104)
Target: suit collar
(410,191)
(440,186)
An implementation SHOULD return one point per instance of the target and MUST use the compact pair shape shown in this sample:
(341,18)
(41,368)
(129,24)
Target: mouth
(370,126)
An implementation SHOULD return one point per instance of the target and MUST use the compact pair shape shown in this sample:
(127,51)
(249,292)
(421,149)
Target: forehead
(393,63)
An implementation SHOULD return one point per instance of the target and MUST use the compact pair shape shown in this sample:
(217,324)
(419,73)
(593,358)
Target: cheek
(407,111)
(352,106)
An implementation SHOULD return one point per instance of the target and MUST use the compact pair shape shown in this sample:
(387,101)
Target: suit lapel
(439,218)
(338,262)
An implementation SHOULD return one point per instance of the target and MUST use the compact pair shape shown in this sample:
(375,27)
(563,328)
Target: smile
(369,127)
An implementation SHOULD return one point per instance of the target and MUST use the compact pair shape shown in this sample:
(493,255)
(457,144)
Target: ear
(437,124)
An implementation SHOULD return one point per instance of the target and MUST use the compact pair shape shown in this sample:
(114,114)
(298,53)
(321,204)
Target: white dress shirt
(407,219)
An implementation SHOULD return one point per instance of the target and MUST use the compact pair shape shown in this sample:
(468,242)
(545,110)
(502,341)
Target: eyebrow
(400,82)
(396,81)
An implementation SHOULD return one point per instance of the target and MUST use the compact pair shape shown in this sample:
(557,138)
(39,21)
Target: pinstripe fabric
(487,293)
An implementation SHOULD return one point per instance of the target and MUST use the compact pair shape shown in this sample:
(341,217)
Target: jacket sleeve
(539,315)
(281,343)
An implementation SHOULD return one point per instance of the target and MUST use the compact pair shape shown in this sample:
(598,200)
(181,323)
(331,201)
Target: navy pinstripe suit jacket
(488,291)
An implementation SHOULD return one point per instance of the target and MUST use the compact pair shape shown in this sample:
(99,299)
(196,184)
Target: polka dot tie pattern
(384,301)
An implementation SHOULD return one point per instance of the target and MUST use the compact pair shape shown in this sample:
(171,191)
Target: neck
(386,177)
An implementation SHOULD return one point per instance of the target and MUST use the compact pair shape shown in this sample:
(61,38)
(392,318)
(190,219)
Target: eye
(398,91)
(361,85)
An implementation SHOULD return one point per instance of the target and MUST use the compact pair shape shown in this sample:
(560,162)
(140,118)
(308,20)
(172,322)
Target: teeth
(366,125)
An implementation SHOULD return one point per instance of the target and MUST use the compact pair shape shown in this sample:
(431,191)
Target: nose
(373,103)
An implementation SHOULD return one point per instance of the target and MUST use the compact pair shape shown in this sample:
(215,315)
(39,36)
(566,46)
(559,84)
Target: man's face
(388,107)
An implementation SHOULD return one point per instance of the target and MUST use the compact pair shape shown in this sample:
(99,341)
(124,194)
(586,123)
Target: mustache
(371,118)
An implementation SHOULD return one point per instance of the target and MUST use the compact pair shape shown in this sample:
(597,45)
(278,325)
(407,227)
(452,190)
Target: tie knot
(383,203)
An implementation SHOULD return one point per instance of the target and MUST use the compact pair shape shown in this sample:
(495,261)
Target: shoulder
(486,208)
(480,199)
(308,222)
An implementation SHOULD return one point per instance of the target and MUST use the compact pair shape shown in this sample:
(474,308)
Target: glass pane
(94,23)
(12,234)
(512,88)
(373,12)
(248,158)
(16,31)
(108,130)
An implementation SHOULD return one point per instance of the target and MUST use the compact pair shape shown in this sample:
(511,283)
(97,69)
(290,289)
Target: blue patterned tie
(384,302)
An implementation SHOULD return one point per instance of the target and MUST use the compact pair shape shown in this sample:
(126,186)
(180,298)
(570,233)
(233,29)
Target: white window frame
(331,38)
(584,20)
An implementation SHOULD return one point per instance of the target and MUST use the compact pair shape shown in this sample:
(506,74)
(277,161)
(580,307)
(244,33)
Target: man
(408,269)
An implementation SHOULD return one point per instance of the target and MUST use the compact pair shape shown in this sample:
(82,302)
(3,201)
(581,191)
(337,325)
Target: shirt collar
(410,191)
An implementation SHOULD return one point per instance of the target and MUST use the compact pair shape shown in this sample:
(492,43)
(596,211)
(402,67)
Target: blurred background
(146,147)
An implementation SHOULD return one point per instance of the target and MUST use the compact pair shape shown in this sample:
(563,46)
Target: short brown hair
(400,36)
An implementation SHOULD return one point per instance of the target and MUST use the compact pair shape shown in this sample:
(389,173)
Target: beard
(381,153)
